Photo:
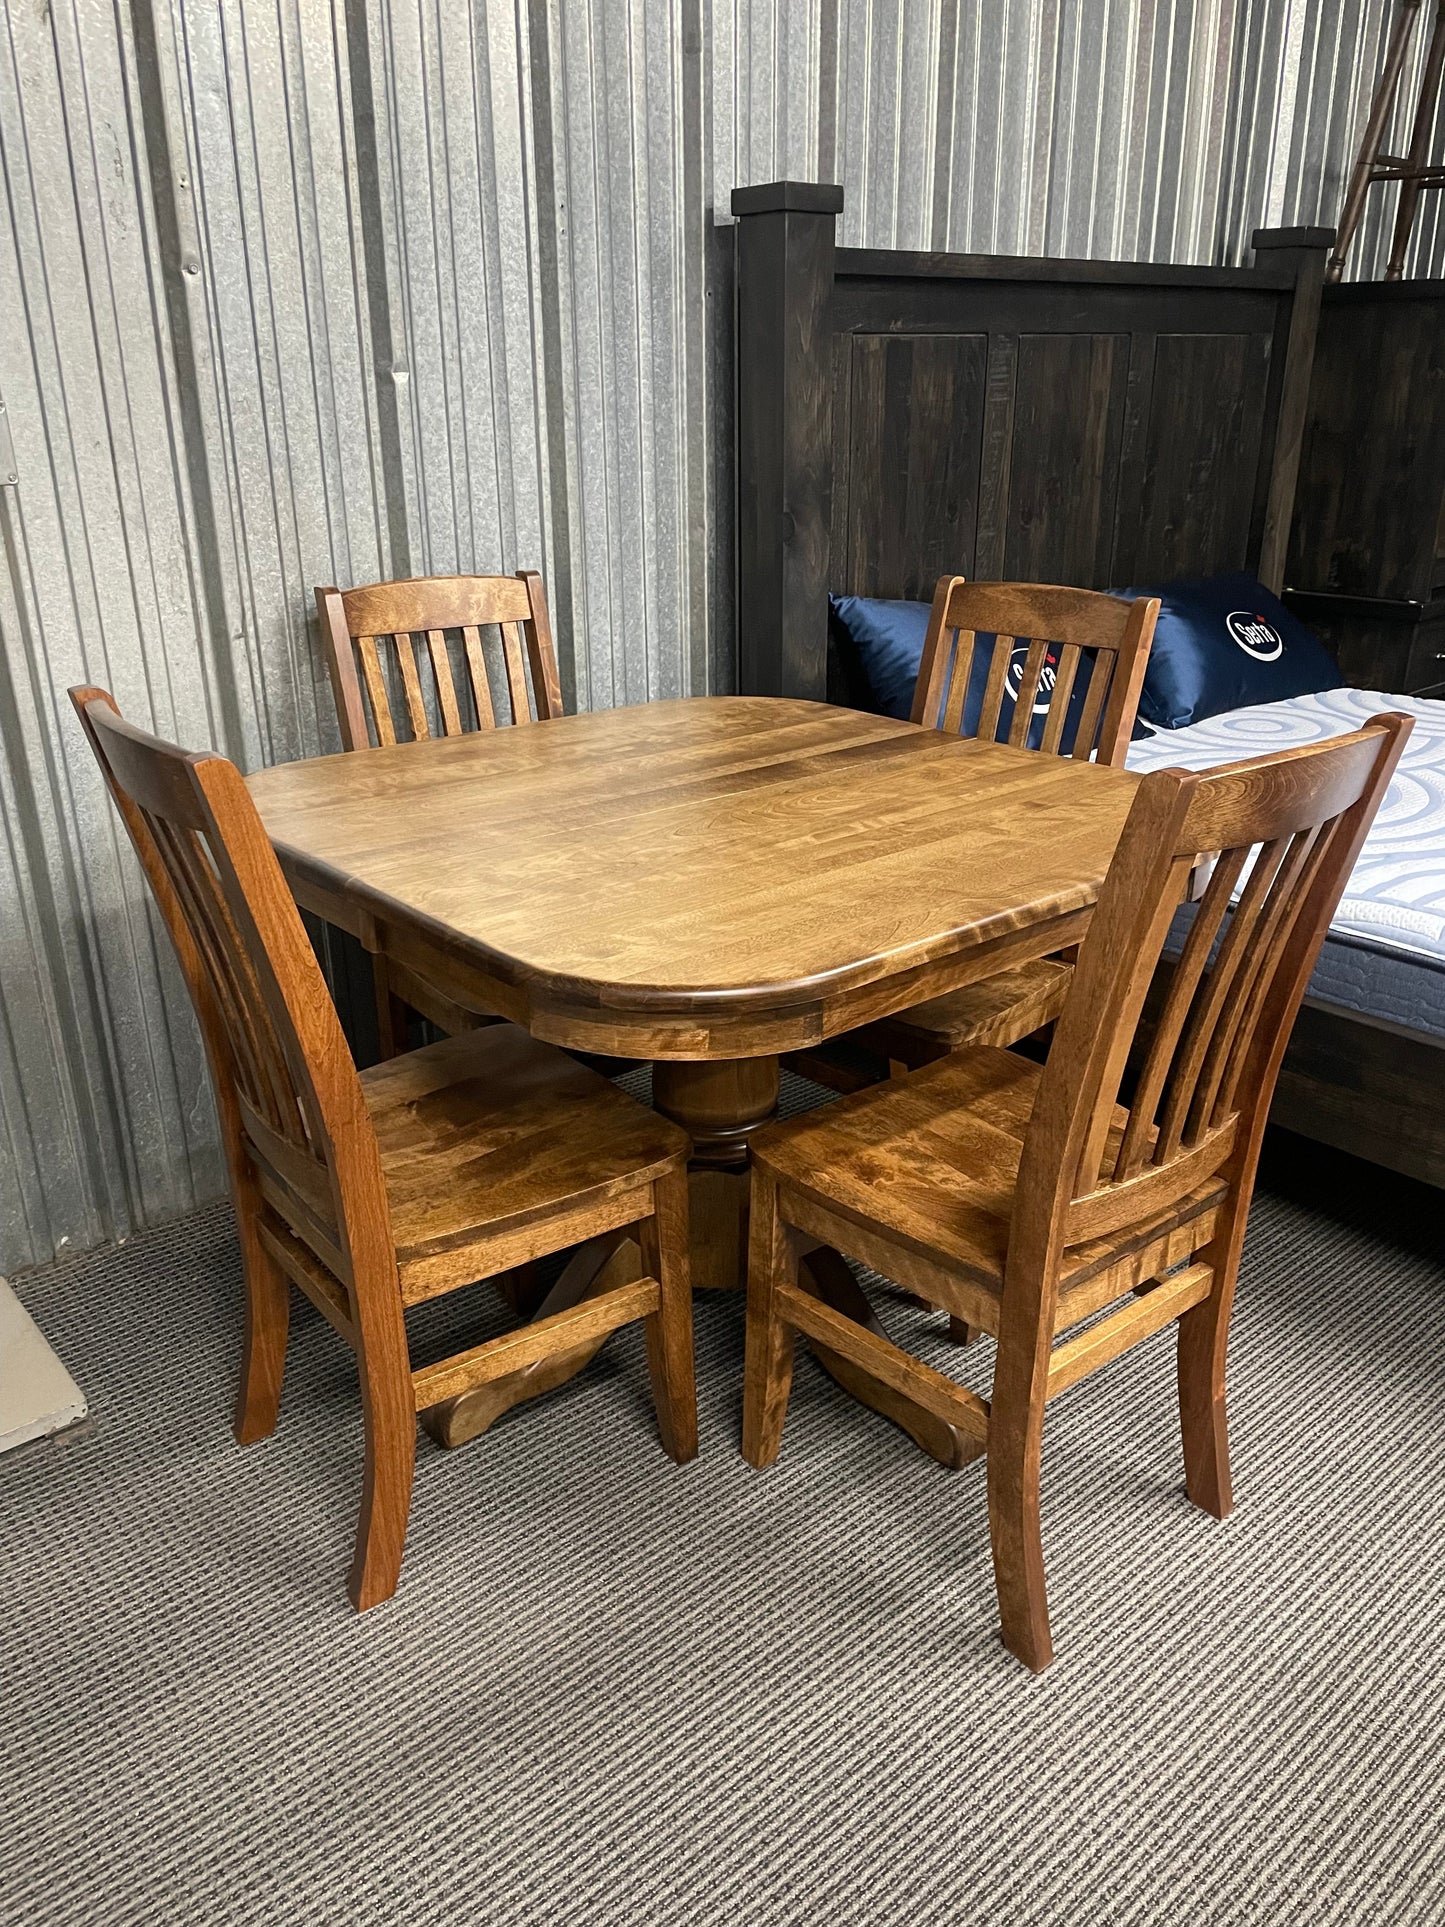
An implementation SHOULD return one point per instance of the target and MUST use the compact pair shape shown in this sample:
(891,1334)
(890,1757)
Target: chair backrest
(1063,673)
(408,659)
(272,1034)
(1283,833)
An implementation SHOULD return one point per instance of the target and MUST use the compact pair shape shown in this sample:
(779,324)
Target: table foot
(597,1266)
(825,1273)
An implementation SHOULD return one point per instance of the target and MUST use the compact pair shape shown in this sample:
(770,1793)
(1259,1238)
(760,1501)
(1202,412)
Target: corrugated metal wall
(335,289)
(1129,129)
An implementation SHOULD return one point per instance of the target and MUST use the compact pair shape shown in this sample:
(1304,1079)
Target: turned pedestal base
(719,1104)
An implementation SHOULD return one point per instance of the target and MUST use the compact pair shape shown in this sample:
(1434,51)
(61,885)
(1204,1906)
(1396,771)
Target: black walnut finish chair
(1026,1200)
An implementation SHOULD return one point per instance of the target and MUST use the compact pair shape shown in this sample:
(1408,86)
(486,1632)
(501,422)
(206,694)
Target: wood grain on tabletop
(678,851)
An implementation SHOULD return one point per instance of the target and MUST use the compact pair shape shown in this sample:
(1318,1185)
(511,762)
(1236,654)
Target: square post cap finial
(789,197)
(1291,237)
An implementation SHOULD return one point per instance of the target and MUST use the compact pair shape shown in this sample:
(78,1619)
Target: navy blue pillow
(1224,642)
(886,640)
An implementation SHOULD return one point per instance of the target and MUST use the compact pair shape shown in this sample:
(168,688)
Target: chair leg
(1203,1411)
(386,1491)
(768,1374)
(263,1351)
(668,1331)
(1015,1454)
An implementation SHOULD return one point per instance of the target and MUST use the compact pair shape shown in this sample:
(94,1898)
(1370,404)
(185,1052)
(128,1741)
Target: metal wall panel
(106,1111)
(1127,129)
(625,113)
(335,289)
(1033,127)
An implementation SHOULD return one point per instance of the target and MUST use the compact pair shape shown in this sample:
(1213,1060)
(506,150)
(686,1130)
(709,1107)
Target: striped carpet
(613,1691)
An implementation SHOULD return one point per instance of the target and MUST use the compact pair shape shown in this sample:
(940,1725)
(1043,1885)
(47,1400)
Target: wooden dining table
(706,884)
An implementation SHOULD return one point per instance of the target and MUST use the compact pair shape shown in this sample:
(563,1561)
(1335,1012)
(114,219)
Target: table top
(720,853)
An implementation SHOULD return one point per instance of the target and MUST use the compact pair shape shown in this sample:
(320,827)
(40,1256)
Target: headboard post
(1305,250)
(785,247)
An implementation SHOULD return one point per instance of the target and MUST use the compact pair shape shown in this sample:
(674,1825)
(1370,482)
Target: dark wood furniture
(1367,553)
(372,1192)
(1089,422)
(1027,1200)
(410,660)
(1101,423)
(1367,572)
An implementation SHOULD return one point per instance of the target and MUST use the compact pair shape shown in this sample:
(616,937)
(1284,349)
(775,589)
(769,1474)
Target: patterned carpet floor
(615,1691)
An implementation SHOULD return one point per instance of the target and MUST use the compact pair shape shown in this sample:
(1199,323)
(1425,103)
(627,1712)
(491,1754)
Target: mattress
(1385,954)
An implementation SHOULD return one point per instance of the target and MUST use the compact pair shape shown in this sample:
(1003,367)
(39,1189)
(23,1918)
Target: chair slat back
(1043,639)
(270,1027)
(408,659)
(1283,833)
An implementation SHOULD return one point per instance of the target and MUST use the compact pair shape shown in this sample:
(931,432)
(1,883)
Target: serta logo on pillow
(1254,635)
(1013,681)
(1224,642)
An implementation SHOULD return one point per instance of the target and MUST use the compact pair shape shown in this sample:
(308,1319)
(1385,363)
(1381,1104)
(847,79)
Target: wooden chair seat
(1001,1010)
(486,1136)
(930,1165)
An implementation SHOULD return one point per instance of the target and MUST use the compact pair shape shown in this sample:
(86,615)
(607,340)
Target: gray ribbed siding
(1126,129)
(344,288)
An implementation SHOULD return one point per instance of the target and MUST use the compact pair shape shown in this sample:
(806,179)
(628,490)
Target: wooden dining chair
(372,1192)
(1026,1200)
(409,661)
(1072,662)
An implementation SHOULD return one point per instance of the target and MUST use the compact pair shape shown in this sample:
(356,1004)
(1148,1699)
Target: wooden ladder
(1410,170)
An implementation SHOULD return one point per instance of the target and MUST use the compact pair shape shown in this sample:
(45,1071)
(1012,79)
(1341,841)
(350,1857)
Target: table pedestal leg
(719,1103)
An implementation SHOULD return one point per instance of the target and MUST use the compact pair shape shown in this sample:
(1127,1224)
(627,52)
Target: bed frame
(902,415)
(1367,553)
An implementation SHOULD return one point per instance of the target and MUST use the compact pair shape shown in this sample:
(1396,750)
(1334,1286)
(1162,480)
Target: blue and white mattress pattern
(1386,953)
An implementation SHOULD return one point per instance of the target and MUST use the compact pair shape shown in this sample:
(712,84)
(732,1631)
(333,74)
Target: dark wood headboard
(1367,557)
(902,416)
